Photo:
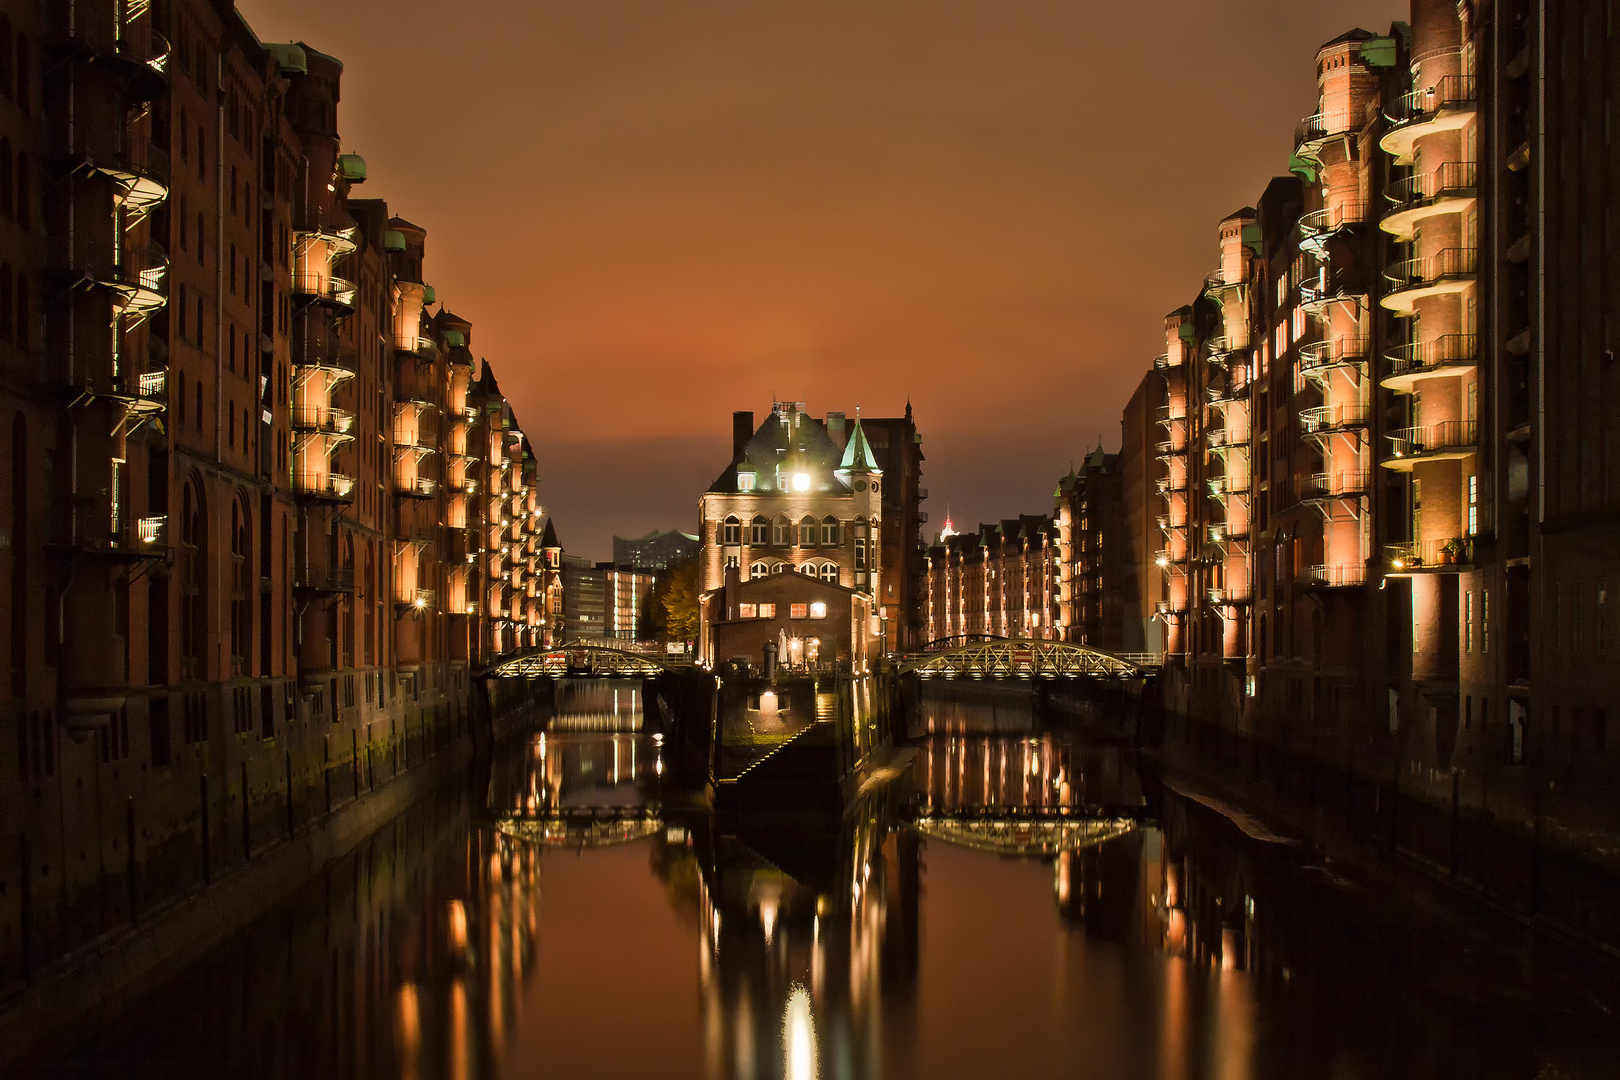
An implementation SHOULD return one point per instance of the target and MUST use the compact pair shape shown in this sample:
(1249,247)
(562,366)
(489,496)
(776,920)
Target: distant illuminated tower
(950,528)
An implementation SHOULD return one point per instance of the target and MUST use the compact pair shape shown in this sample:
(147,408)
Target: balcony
(85,525)
(1222,488)
(1229,595)
(1167,608)
(1167,559)
(1328,289)
(324,487)
(1324,420)
(1452,440)
(1171,485)
(328,289)
(1170,448)
(324,582)
(1165,361)
(337,237)
(1445,106)
(1319,359)
(1167,523)
(1166,415)
(1450,189)
(145,394)
(1319,226)
(1314,132)
(1226,532)
(1445,555)
(1231,437)
(323,420)
(1217,286)
(1452,354)
(1331,577)
(101,29)
(415,487)
(1330,487)
(138,167)
(320,354)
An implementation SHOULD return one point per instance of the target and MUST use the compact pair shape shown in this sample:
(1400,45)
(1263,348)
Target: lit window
(731,531)
(758,569)
(807,532)
(799,611)
(767,611)
(829,531)
(818,610)
(829,572)
(745,480)
(806,569)
(747,611)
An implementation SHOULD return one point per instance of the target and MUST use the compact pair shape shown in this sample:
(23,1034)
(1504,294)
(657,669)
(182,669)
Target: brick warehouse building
(823,498)
(265,509)
(1378,451)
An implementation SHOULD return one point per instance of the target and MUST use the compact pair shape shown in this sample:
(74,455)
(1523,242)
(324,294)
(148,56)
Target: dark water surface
(1018,904)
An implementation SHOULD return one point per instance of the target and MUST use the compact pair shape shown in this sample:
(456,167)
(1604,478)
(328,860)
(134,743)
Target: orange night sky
(658,211)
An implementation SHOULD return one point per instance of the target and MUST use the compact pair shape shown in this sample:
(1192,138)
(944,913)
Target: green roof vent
(428,295)
(1254,238)
(290,59)
(454,338)
(393,240)
(1380,52)
(352,167)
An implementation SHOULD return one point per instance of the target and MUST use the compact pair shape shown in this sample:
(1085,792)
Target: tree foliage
(680,601)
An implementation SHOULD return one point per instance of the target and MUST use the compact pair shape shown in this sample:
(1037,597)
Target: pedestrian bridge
(1023,658)
(585,658)
(1024,832)
(583,826)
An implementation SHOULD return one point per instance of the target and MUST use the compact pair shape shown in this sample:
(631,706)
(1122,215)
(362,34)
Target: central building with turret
(801,496)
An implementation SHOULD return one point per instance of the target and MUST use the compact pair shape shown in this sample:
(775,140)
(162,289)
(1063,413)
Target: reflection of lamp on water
(799,1036)
(458,926)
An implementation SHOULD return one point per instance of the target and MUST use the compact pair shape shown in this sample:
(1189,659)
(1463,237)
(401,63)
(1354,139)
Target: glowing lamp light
(818,610)
(799,1036)
(1162,561)
(420,603)
(1399,564)
(801,481)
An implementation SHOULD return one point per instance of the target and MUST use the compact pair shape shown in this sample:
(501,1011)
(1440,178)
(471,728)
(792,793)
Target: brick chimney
(742,429)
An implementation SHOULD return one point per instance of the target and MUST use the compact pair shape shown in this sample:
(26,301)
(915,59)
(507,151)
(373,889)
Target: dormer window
(745,479)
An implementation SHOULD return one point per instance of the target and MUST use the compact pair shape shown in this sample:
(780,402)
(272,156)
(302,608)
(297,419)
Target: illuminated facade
(1002,580)
(1097,584)
(254,534)
(1383,480)
(801,496)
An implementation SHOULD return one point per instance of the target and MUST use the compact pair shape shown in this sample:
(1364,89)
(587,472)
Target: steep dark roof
(1358,34)
(804,446)
(548,539)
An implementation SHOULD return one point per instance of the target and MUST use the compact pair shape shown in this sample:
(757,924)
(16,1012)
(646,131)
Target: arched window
(829,531)
(6,80)
(24,190)
(829,572)
(731,531)
(759,530)
(807,531)
(782,531)
(197,407)
(807,569)
(5,177)
(194,581)
(776,567)
(5,302)
(759,569)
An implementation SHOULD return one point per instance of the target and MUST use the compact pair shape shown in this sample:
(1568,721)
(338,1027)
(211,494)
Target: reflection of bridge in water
(975,657)
(583,826)
(1017,832)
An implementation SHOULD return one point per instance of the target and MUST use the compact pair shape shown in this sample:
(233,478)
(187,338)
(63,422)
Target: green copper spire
(858,453)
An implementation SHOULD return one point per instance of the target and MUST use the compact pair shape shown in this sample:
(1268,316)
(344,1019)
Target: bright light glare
(799,1036)
(801,481)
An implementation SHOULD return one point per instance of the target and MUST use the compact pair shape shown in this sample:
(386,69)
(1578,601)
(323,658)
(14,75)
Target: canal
(1015,900)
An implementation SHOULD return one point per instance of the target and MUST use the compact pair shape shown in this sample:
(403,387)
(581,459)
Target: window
(759,569)
(731,531)
(776,568)
(806,569)
(1468,621)
(782,532)
(758,531)
(800,611)
(807,532)
(1473,505)
(745,480)
(747,611)
(829,572)
(767,611)
(829,531)
(818,610)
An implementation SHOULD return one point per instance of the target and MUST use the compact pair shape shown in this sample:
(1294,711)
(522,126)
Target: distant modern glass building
(655,551)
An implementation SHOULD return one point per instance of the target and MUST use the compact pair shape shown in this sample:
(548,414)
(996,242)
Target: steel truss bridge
(583,826)
(585,658)
(1023,832)
(1022,658)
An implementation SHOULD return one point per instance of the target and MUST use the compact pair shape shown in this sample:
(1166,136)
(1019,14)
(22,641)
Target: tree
(680,602)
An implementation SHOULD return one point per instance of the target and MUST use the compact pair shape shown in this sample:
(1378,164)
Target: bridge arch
(584,658)
(1015,658)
